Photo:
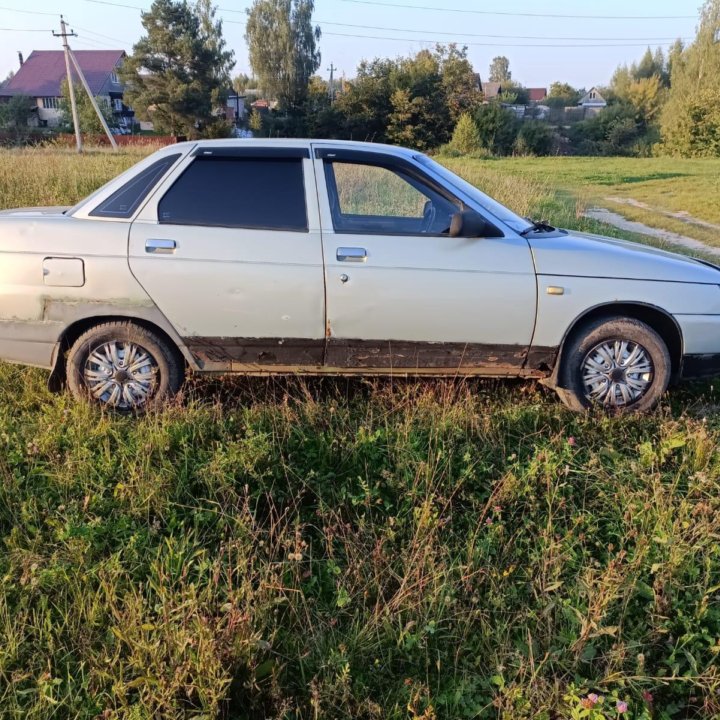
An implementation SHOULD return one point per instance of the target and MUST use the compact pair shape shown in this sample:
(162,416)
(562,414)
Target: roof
(537,94)
(491,89)
(42,73)
(598,100)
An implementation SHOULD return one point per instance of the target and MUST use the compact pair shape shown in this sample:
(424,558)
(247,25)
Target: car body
(329,257)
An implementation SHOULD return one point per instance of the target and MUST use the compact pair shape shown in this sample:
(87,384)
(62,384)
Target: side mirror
(468,224)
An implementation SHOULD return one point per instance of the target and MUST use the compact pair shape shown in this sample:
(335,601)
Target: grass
(666,185)
(347,549)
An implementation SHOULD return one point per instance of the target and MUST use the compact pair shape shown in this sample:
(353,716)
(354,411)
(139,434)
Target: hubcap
(122,375)
(617,373)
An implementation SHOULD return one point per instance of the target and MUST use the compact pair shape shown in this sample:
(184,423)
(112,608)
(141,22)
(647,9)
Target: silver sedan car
(296,256)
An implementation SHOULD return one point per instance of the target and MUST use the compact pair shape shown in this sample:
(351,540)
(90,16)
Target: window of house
(117,105)
(114,78)
(239,192)
(50,103)
(125,201)
(375,199)
(592,95)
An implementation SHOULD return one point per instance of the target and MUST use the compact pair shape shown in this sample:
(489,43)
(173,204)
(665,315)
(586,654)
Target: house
(536,95)
(40,77)
(234,109)
(592,102)
(491,90)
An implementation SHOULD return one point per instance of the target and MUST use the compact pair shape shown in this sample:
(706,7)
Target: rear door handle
(160,246)
(351,254)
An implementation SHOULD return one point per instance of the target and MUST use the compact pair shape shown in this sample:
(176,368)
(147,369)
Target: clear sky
(405,26)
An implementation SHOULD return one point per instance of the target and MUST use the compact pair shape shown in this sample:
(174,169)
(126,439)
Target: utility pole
(76,124)
(331,86)
(103,122)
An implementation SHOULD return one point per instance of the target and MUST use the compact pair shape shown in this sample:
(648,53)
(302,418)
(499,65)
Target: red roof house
(537,95)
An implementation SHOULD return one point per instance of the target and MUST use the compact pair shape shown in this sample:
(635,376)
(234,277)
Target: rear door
(229,248)
(402,293)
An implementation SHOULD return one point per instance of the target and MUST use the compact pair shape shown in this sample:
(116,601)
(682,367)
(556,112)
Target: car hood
(33,212)
(586,255)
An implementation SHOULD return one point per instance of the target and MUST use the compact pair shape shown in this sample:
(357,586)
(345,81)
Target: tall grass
(344,549)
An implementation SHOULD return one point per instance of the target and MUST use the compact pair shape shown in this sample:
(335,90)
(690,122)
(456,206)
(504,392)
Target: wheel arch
(74,330)
(658,319)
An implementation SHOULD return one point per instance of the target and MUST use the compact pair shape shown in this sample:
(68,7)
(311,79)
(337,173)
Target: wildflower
(647,697)
(621,706)
(571,441)
(488,521)
(590,701)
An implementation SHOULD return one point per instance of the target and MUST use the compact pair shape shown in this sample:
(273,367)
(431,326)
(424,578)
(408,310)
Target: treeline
(432,100)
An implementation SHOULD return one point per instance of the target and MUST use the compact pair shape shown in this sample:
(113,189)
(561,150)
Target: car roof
(296,143)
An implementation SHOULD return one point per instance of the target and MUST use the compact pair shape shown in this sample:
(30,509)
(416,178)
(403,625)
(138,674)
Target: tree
(500,70)
(466,138)
(179,72)
(647,96)
(282,43)
(366,103)
(689,127)
(498,128)
(650,64)
(7,79)
(562,95)
(460,82)
(15,115)
(241,82)
(87,117)
(255,122)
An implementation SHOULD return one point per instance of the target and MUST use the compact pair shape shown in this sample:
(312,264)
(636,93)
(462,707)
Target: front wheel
(617,363)
(124,367)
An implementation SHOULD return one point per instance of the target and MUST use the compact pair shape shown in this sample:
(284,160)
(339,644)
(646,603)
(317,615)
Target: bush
(497,128)
(466,138)
(535,138)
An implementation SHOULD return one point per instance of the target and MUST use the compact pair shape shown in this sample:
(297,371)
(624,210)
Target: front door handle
(160,246)
(351,254)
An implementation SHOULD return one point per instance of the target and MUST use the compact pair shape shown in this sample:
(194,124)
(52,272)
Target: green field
(665,185)
(289,549)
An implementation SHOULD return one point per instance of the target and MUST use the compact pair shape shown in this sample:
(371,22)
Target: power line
(92,42)
(524,14)
(480,44)
(3,29)
(116,4)
(107,37)
(482,35)
(27,12)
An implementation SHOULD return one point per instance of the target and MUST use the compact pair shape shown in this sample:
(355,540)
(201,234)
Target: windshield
(517,223)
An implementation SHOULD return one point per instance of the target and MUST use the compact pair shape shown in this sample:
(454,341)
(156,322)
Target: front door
(229,249)
(402,293)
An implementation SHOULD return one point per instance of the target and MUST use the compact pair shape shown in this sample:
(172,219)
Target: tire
(597,369)
(97,369)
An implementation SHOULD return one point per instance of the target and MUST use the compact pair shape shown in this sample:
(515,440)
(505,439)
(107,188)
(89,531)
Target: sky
(533,34)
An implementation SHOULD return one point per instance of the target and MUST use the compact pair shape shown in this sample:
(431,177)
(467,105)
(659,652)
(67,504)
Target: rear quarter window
(124,202)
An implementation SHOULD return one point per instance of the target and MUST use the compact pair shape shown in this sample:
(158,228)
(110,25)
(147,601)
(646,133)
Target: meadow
(298,548)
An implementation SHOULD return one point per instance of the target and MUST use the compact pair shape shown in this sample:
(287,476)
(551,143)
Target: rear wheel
(617,363)
(124,367)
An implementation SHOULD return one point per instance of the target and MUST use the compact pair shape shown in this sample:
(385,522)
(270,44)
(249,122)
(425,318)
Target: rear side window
(125,201)
(239,192)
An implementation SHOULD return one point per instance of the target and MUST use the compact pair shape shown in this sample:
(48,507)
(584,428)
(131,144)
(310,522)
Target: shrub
(466,138)
(497,127)
(535,138)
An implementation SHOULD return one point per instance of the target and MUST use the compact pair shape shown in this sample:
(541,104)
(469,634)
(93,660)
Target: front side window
(238,192)
(124,202)
(379,199)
